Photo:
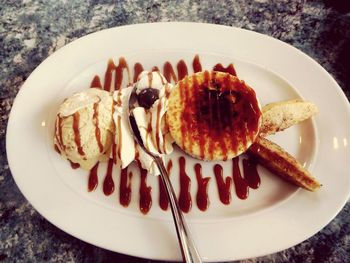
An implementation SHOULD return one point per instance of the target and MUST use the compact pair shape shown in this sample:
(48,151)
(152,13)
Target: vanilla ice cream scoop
(84,127)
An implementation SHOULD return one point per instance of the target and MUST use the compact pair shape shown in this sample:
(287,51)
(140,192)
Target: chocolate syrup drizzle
(163,198)
(108,183)
(125,187)
(202,198)
(241,182)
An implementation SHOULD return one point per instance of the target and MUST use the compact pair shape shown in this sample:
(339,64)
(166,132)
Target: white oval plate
(273,218)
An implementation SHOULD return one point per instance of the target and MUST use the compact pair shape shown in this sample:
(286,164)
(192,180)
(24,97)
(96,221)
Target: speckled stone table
(31,30)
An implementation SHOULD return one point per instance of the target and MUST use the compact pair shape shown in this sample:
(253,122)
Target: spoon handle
(188,249)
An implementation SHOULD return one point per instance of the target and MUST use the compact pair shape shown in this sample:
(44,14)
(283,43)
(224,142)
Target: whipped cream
(125,149)
(151,123)
(153,79)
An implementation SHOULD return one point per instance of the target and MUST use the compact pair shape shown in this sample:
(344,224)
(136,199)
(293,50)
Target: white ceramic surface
(274,217)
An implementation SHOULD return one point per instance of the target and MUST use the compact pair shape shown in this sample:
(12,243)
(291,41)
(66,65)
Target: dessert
(213,115)
(279,116)
(84,127)
(92,125)
(207,120)
(123,152)
(152,89)
(281,163)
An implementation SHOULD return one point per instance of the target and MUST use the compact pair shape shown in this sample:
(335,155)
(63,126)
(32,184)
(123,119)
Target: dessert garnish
(281,163)
(147,97)
(279,116)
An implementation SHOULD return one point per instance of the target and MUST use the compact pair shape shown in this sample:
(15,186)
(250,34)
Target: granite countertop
(31,30)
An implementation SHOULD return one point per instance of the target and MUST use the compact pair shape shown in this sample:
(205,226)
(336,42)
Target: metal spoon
(188,249)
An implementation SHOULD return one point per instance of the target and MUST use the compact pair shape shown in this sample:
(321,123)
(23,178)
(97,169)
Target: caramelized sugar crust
(213,115)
